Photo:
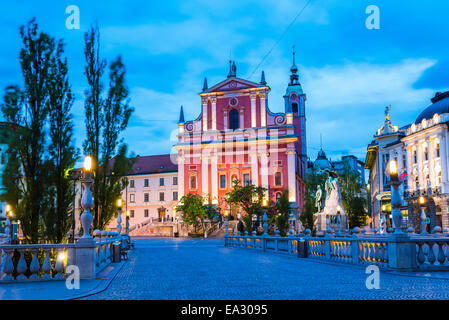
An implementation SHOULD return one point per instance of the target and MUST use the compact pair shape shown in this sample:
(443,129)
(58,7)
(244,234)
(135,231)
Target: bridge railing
(402,252)
(31,262)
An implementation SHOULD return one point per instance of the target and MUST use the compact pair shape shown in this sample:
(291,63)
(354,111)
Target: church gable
(233,84)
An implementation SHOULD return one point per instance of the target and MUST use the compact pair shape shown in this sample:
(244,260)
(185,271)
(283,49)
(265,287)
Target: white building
(420,150)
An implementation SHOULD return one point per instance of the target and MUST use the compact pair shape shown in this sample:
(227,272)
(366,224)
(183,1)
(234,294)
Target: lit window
(437,150)
(233,119)
(132,198)
(192,182)
(277,179)
(246,179)
(222,181)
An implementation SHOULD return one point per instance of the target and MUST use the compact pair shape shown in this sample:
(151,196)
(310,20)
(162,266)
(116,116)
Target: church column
(409,152)
(291,169)
(180,175)
(214,113)
(225,118)
(443,159)
(204,103)
(242,117)
(253,110)
(254,169)
(264,170)
(204,175)
(420,167)
(214,182)
(263,112)
(430,153)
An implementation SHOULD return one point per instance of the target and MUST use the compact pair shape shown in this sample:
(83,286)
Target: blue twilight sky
(348,72)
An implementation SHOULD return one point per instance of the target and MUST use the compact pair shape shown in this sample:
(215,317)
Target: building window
(437,150)
(417,183)
(175,196)
(427,180)
(161,182)
(145,213)
(131,213)
(222,181)
(146,197)
(175,181)
(131,183)
(193,182)
(278,179)
(415,156)
(233,119)
(132,198)
(294,107)
(145,183)
(426,154)
(246,180)
(404,161)
(161,196)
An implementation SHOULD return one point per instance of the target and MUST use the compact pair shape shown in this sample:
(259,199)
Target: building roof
(154,164)
(440,105)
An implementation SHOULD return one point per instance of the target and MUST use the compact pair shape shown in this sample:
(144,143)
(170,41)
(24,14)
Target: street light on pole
(395,182)
(87,201)
(265,217)
(422,202)
(119,216)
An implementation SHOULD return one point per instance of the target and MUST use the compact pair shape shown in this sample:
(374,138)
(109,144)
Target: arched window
(277,179)
(437,150)
(417,183)
(295,107)
(427,180)
(426,154)
(233,119)
(278,195)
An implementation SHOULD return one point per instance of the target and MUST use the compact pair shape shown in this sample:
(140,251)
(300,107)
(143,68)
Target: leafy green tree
(106,119)
(352,193)
(249,198)
(193,212)
(27,110)
(283,213)
(63,154)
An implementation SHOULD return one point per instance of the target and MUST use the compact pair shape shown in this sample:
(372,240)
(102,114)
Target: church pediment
(231,84)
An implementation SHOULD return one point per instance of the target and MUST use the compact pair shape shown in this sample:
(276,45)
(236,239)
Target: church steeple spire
(262,79)
(205,86)
(294,70)
(181,116)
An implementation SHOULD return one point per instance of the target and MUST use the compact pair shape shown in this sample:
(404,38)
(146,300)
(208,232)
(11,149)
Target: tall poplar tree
(62,153)
(27,110)
(106,119)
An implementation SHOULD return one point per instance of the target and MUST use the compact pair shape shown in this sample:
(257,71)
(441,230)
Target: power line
(280,38)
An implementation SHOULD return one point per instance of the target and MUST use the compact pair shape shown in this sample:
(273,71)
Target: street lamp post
(86,200)
(422,202)
(226,214)
(395,182)
(127,222)
(339,220)
(119,216)
(328,228)
(265,217)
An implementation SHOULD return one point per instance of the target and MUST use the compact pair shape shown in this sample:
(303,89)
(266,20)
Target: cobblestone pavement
(205,269)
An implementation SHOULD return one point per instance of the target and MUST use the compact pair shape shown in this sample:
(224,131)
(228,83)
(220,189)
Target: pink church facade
(236,136)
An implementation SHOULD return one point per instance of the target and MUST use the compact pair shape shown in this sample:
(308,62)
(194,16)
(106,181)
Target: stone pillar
(420,165)
(253,110)
(214,113)
(214,179)
(204,175)
(254,169)
(180,176)
(401,252)
(263,112)
(291,169)
(264,170)
(204,103)
(443,159)
(430,152)
(85,259)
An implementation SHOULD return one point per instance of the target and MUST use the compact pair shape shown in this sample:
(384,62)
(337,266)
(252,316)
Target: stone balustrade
(402,252)
(30,262)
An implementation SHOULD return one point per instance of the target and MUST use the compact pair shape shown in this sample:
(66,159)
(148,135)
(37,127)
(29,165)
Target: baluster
(372,248)
(46,265)
(21,265)
(441,255)
(34,264)
(59,264)
(8,268)
(431,256)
